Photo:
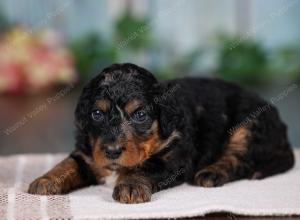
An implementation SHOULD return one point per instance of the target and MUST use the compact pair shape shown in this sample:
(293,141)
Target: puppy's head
(119,113)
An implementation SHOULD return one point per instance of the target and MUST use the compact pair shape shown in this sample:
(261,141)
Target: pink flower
(30,63)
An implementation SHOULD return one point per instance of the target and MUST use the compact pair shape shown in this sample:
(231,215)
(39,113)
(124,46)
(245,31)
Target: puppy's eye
(97,115)
(140,116)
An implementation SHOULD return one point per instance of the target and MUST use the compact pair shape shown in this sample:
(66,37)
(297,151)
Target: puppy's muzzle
(113,152)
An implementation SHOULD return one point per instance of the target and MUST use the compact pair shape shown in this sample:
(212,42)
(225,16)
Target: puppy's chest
(110,179)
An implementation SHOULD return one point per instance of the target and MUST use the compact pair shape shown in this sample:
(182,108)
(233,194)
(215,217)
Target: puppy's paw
(210,178)
(132,193)
(44,186)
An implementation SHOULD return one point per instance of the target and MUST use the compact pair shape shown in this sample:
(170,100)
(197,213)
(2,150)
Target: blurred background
(49,49)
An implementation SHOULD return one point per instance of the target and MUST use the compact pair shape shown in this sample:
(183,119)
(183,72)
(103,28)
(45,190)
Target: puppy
(154,135)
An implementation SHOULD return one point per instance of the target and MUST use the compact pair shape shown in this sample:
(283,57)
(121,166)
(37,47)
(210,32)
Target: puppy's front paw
(44,186)
(132,193)
(210,178)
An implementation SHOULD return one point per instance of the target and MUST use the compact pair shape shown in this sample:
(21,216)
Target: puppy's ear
(168,106)
(83,106)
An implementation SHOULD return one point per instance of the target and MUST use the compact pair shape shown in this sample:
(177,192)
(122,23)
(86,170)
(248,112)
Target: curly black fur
(222,132)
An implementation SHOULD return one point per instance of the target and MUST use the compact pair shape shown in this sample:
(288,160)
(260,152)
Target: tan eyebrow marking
(132,105)
(103,105)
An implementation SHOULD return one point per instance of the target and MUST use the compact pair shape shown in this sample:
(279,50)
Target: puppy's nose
(113,152)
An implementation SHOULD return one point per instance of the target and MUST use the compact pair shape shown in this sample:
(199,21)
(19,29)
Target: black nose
(113,152)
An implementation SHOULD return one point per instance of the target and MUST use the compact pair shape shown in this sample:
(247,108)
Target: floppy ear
(168,105)
(83,106)
(84,103)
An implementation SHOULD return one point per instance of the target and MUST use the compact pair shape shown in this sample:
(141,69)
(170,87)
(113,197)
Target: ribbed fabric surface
(278,195)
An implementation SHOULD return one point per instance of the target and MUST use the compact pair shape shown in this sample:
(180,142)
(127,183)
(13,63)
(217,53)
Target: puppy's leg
(132,188)
(137,185)
(63,178)
(280,162)
(231,165)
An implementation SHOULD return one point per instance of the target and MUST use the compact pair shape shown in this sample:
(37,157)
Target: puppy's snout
(113,152)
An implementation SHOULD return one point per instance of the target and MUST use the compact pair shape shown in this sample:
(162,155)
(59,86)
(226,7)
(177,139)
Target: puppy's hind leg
(279,162)
(271,151)
(68,175)
(231,165)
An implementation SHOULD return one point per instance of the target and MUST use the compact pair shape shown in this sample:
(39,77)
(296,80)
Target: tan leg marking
(63,178)
(221,171)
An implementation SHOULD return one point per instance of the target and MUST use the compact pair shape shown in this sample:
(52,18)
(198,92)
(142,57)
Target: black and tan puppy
(154,135)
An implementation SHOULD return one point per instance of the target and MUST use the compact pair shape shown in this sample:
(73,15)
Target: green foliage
(91,54)
(179,66)
(132,32)
(242,60)
(285,63)
(4,24)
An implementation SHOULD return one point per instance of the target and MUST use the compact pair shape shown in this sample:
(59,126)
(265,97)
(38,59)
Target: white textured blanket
(278,195)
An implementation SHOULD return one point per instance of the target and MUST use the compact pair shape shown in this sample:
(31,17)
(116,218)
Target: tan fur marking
(136,150)
(103,105)
(132,106)
(235,149)
(99,161)
(208,183)
(139,150)
(238,140)
(63,178)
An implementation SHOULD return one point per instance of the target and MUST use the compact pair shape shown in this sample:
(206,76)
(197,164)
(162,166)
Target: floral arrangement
(31,62)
